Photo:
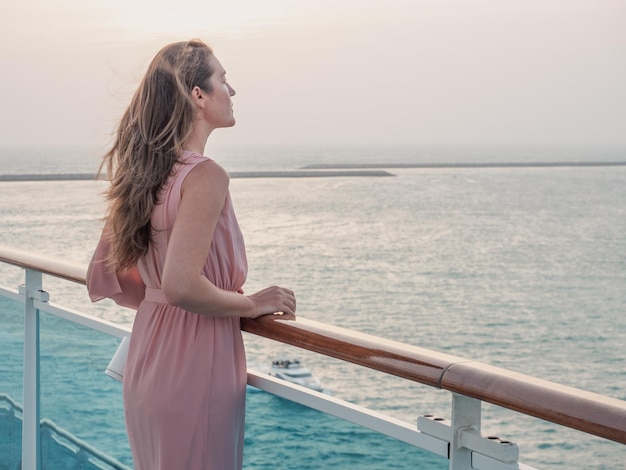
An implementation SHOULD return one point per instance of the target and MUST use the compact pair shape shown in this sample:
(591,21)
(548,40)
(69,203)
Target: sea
(512,256)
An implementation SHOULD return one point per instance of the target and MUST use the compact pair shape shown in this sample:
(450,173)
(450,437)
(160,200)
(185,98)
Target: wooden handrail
(399,359)
(567,406)
(46,264)
(588,412)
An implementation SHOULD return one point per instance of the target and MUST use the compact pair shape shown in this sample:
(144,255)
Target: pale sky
(355,72)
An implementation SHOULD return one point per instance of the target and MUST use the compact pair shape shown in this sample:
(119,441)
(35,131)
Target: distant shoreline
(325,170)
(304,173)
(333,166)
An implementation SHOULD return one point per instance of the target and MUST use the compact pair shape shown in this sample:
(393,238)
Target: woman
(172,248)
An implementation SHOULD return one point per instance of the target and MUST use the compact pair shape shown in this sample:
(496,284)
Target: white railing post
(31,442)
(465,417)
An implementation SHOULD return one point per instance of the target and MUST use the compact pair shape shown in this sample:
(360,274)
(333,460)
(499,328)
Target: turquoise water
(521,268)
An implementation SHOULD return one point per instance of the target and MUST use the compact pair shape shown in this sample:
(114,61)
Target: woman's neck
(196,142)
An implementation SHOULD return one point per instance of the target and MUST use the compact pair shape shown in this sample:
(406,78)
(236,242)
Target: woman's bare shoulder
(207,175)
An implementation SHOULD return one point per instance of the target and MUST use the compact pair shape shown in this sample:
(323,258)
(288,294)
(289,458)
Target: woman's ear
(197,95)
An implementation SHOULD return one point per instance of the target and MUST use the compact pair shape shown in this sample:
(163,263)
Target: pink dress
(185,376)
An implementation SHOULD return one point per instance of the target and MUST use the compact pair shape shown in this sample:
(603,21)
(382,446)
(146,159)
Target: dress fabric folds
(185,375)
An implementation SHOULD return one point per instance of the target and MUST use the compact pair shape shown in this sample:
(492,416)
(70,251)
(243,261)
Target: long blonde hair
(149,141)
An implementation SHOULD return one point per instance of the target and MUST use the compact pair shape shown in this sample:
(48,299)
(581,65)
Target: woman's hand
(274,301)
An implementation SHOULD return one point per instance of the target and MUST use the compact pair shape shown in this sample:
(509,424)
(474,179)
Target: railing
(470,382)
(78,454)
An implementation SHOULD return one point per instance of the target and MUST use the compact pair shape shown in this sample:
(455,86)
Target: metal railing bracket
(36,294)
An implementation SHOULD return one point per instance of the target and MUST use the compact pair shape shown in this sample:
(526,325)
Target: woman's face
(219,109)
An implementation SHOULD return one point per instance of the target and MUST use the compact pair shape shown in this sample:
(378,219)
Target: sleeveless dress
(185,375)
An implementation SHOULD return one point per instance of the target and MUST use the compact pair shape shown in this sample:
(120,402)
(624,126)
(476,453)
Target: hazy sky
(328,71)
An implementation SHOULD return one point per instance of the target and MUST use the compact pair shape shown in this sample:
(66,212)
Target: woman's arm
(203,195)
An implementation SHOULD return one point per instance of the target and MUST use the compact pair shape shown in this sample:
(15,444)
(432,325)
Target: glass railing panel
(281,434)
(12,341)
(11,378)
(77,398)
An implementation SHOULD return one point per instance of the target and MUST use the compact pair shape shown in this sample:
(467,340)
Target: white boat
(291,370)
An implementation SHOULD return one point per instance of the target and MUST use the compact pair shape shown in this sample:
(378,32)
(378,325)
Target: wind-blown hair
(148,142)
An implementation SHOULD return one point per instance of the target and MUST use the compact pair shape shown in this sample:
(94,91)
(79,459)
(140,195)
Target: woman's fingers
(274,300)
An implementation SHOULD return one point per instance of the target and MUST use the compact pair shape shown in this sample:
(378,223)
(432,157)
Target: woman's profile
(171,247)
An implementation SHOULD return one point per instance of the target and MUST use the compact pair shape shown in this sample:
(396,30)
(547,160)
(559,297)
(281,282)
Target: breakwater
(234,174)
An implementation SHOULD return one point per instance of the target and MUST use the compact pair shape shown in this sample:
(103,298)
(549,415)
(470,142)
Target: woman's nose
(231,90)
